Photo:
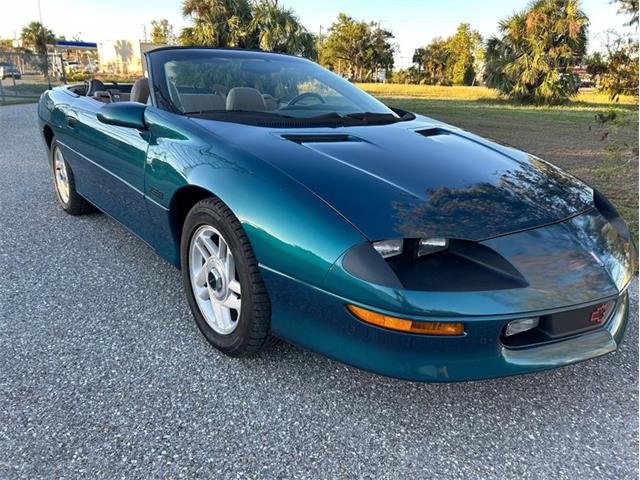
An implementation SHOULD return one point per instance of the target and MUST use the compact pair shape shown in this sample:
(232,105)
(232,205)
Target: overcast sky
(413,22)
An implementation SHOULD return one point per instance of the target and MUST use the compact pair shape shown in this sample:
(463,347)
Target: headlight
(432,264)
(427,246)
(416,247)
(388,248)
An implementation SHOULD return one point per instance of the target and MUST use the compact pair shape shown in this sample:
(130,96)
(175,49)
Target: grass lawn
(472,93)
(24,89)
(17,101)
(566,135)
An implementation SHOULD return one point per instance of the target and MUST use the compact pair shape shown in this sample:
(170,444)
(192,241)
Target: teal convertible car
(299,207)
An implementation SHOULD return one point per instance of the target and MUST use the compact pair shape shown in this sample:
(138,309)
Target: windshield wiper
(326,116)
(356,118)
(374,117)
(371,116)
(256,113)
(381,117)
(329,119)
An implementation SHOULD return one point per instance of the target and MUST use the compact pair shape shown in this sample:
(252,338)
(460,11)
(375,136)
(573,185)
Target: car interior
(218,97)
(186,99)
(109,92)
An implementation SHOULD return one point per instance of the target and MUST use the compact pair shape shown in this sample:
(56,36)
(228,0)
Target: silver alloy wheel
(60,175)
(214,279)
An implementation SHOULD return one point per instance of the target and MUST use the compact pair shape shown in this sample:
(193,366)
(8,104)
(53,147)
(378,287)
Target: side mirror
(123,114)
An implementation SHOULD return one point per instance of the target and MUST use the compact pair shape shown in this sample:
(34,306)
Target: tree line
(355,49)
(457,60)
(532,58)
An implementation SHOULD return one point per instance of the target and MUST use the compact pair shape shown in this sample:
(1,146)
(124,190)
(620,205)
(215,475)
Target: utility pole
(44,43)
(144,32)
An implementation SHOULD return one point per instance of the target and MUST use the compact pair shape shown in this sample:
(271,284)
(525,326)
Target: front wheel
(222,281)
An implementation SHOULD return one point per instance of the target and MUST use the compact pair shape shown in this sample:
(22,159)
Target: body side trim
(146,197)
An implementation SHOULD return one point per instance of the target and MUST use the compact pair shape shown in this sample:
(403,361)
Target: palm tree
(36,36)
(124,53)
(218,23)
(279,30)
(532,57)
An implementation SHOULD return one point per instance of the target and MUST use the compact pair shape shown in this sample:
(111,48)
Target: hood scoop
(320,138)
(432,132)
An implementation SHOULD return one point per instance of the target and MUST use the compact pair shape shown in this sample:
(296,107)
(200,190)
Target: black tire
(253,331)
(75,205)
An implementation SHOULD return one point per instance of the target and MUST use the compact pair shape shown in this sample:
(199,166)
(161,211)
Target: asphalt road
(103,374)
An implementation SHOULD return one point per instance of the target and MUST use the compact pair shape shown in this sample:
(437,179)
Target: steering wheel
(92,86)
(304,95)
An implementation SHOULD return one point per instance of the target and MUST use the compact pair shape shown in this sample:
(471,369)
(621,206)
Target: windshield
(237,83)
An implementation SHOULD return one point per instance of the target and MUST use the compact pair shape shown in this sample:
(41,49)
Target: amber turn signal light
(403,325)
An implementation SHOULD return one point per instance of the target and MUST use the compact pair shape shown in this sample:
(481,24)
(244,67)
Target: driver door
(109,164)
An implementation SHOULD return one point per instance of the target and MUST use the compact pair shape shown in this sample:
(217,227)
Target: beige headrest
(245,98)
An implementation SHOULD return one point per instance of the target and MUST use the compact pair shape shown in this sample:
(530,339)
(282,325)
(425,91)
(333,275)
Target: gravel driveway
(103,374)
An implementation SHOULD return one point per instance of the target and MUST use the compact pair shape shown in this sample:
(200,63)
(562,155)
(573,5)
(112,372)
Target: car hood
(420,178)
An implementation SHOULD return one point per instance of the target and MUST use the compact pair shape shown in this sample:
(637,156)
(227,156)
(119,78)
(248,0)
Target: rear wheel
(65,186)
(222,281)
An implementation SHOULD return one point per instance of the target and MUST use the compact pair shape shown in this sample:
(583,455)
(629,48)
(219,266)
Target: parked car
(298,206)
(91,67)
(9,70)
(587,83)
(573,80)
(72,66)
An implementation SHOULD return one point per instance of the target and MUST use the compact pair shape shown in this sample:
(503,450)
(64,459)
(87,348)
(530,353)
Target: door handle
(72,122)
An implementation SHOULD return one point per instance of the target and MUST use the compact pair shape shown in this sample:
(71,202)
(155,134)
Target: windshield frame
(161,97)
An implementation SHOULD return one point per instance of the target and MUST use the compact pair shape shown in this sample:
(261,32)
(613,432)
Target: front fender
(291,230)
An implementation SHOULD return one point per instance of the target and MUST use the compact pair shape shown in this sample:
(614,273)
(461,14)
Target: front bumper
(571,266)
(318,320)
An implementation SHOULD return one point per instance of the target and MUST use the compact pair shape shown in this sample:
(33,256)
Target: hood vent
(432,132)
(319,138)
